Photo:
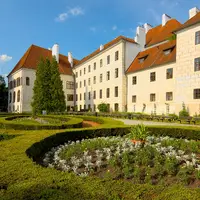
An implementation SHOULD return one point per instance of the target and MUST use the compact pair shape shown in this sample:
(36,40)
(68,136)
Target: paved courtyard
(134,122)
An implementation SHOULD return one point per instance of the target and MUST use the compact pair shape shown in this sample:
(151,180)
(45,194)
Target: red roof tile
(34,53)
(107,45)
(154,57)
(161,33)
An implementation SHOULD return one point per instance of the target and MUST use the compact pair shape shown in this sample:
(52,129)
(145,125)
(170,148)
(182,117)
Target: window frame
(167,99)
(134,98)
(197,37)
(197,61)
(196,93)
(134,80)
(152,76)
(152,97)
(169,75)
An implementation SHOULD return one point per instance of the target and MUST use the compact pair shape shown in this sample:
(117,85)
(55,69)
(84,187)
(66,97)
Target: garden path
(135,122)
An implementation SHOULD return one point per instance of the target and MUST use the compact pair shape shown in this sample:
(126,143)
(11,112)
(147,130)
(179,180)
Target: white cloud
(76,11)
(114,28)
(62,17)
(71,12)
(5,58)
(93,29)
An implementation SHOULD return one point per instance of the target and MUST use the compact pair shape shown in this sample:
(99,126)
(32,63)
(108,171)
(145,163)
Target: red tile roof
(194,20)
(161,33)
(154,57)
(34,53)
(107,45)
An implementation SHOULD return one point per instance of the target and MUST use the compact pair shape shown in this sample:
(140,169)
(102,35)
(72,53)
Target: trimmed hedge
(5,136)
(20,178)
(70,123)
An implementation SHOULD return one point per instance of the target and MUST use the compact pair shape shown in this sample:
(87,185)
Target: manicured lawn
(21,178)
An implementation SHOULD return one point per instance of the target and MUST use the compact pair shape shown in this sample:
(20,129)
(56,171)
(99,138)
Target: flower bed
(161,159)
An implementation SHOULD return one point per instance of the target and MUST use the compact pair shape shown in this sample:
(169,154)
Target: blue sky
(77,26)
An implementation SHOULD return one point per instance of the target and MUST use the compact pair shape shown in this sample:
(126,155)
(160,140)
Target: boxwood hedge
(20,178)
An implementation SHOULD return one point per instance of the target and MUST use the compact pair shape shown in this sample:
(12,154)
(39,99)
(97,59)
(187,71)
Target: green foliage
(138,132)
(3,95)
(184,112)
(48,90)
(173,37)
(171,165)
(103,107)
(175,117)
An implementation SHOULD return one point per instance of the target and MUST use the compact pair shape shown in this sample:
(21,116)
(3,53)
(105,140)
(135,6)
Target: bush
(103,107)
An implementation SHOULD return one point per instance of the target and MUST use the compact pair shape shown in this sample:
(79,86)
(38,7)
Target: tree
(103,107)
(3,95)
(48,92)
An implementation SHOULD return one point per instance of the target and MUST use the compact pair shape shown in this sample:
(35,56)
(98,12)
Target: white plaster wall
(187,79)
(144,88)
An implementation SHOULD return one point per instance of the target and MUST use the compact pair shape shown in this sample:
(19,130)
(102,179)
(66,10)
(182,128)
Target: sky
(78,26)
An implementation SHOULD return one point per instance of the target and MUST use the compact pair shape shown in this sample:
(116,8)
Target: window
(89,81)
(84,70)
(100,94)
(134,80)
(84,107)
(89,68)
(84,96)
(116,107)
(80,72)
(152,76)
(89,95)
(70,85)
(197,37)
(11,84)
(94,79)
(80,84)
(84,83)
(142,59)
(108,105)
(95,65)
(197,93)
(101,78)
(80,107)
(169,73)
(18,81)
(134,99)
(108,92)
(76,97)
(116,91)
(70,97)
(27,81)
(108,59)
(80,97)
(152,97)
(169,96)
(197,64)
(116,72)
(18,96)
(108,76)
(76,85)
(13,97)
(14,83)
(167,51)
(10,97)
(94,94)
(89,107)
(116,55)
(94,107)
(101,63)
(21,81)
(76,74)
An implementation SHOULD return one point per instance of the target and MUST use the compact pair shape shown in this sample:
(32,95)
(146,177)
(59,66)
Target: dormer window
(167,51)
(142,59)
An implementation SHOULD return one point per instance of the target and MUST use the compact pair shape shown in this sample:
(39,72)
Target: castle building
(156,72)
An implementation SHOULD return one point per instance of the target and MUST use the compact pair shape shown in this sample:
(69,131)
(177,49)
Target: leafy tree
(48,91)
(103,107)
(3,95)
(184,112)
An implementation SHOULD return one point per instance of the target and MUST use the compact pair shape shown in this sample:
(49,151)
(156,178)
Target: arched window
(10,97)
(13,97)
(18,96)
(27,81)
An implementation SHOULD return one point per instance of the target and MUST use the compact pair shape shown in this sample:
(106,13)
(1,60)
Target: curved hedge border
(20,178)
(6,122)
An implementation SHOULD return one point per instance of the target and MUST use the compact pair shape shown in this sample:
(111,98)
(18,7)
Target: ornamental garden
(87,157)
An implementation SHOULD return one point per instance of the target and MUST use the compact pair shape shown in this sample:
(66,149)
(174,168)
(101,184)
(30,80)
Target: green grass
(21,178)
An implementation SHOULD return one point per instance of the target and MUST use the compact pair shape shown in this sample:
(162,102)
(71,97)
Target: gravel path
(134,122)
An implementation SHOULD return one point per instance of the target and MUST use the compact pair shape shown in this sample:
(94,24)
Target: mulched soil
(90,124)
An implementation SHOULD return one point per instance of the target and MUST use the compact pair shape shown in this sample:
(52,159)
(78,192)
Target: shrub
(139,132)
(103,107)
(184,112)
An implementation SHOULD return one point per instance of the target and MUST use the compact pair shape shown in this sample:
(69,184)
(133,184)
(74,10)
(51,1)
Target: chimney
(140,37)
(101,47)
(147,27)
(165,19)
(193,12)
(70,58)
(55,52)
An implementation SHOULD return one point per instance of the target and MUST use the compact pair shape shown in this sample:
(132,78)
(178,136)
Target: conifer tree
(48,90)
(57,93)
